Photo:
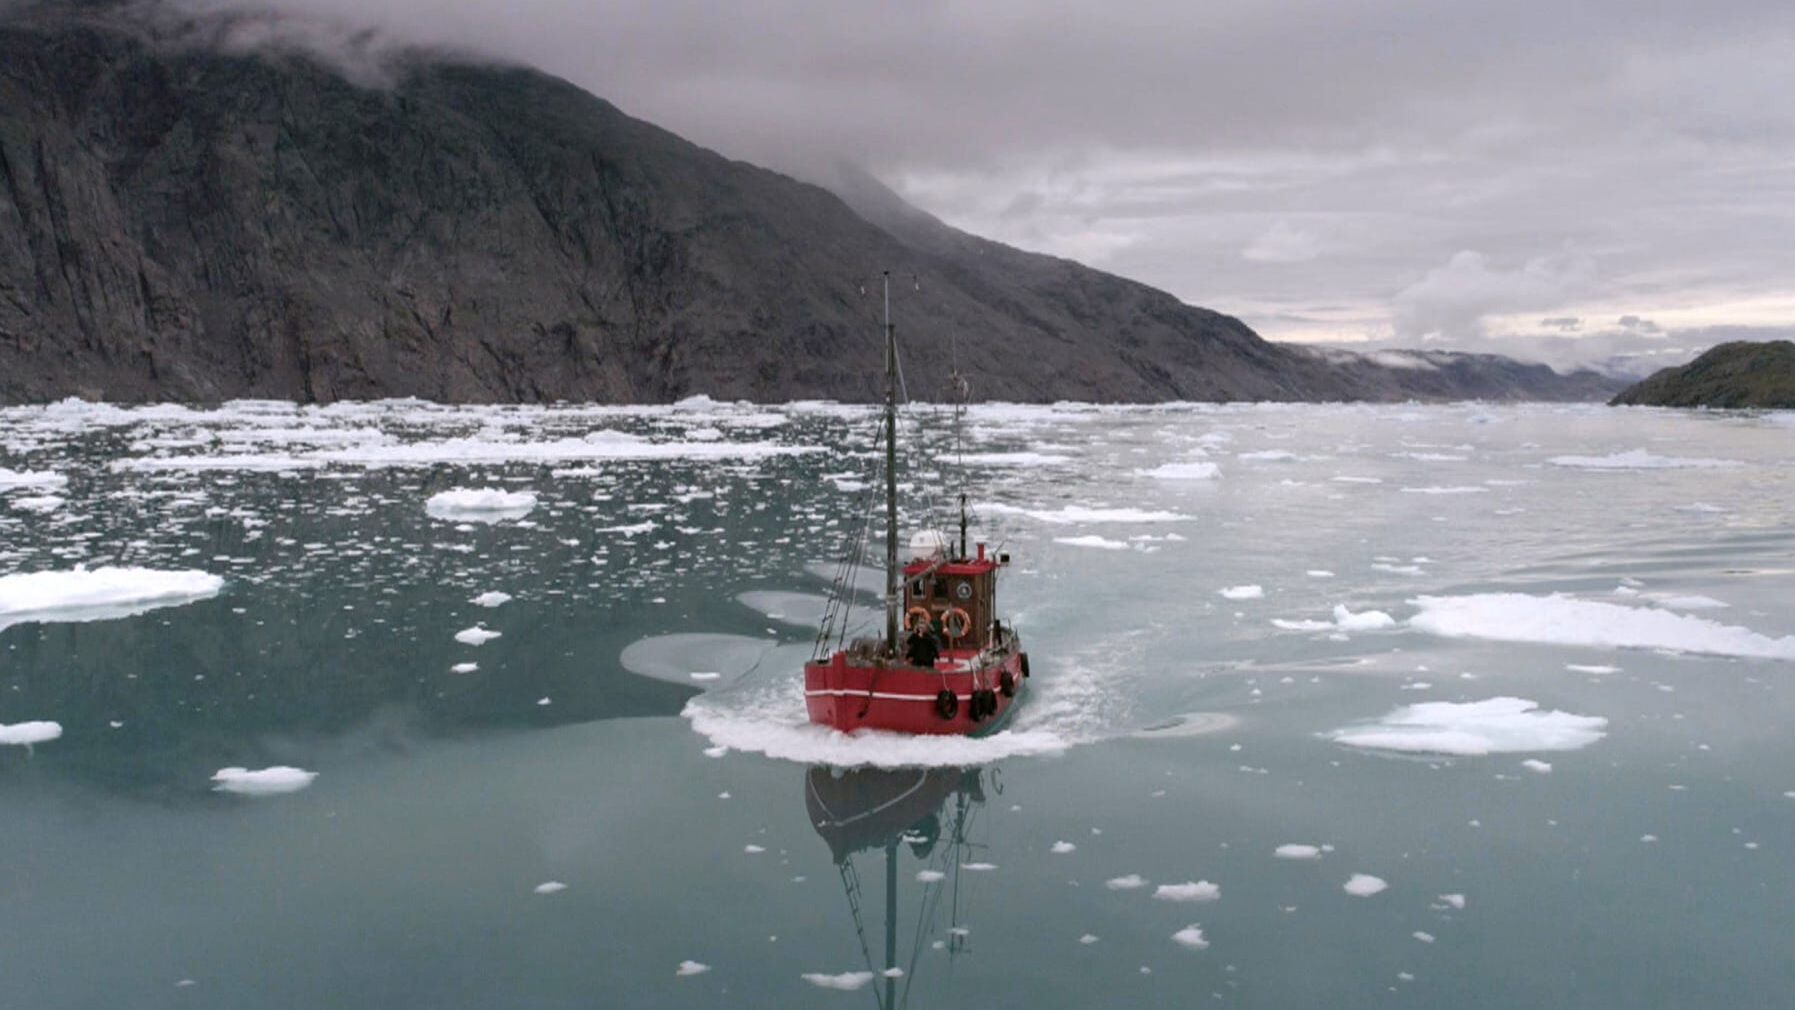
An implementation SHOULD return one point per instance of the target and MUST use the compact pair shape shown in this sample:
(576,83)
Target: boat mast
(891,519)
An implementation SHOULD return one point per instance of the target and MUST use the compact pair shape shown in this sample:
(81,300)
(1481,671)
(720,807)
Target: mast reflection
(928,813)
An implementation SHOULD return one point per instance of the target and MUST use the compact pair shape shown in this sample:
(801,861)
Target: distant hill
(1738,374)
(179,221)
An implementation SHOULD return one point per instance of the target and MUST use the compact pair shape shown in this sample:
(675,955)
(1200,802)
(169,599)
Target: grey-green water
(1645,863)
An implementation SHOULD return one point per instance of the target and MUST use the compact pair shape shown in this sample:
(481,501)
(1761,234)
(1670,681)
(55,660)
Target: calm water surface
(636,732)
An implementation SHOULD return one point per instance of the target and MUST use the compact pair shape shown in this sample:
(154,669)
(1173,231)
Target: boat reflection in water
(926,812)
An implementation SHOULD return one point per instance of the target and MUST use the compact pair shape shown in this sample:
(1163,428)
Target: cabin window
(919,588)
(963,591)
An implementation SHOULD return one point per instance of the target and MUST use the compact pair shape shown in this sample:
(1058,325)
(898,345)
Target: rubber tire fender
(1006,682)
(1025,664)
(947,704)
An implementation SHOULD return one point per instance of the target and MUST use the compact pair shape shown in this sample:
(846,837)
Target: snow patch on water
(1493,726)
(1561,620)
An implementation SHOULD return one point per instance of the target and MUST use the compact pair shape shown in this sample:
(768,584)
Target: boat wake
(1069,703)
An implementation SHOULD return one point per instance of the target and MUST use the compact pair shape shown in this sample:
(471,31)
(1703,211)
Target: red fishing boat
(949,665)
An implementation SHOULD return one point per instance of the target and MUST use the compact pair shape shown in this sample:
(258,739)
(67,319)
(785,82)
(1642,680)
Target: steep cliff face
(1737,374)
(178,222)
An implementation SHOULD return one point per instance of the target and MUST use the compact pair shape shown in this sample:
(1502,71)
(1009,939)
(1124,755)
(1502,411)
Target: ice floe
(1077,514)
(1363,885)
(1192,470)
(1061,848)
(1252,592)
(94,594)
(1562,620)
(1201,890)
(550,887)
(491,598)
(262,782)
(42,480)
(1297,850)
(1492,726)
(26,734)
(1093,540)
(1192,937)
(476,635)
(1127,882)
(691,968)
(847,981)
(484,505)
(1639,459)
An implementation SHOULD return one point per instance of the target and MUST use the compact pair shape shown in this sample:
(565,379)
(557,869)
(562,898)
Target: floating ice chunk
(1268,456)
(1192,937)
(96,594)
(482,505)
(1368,620)
(476,635)
(1243,592)
(1424,937)
(550,887)
(42,504)
(1692,602)
(1453,489)
(1093,540)
(754,850)
(1194,470)
(1455,900)
(492,598)
(464,667)
(1061,848)
(1302,625)
(1492,726)
(25,734)
(1583,668)
(847,981)
(930,876)
(691,968)
(978,867)
(1296,850)
(1347,479)
(1072,514)
(43,480)
(1536,765)
(1560,620)
(1319,573)
(264,782)
(1130,882)
(1013,459)
(1201,890)
(1088,939)
(893,973)
(1363,885)
(1639,459)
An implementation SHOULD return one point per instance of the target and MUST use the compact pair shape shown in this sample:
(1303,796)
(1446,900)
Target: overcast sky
(1549,178)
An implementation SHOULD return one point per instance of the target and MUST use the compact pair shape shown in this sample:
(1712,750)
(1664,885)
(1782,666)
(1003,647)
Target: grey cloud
(1318,167)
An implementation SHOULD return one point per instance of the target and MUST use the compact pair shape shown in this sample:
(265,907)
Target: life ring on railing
(955,617)
(947,705)
(917,618)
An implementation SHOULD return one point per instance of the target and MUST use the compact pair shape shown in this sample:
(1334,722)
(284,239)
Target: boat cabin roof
(961,566)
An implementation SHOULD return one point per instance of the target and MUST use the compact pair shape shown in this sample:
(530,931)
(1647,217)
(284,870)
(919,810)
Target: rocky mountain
(1739,374)
(181,220)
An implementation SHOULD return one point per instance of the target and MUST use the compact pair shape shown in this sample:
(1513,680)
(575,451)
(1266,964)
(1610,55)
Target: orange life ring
(955,616)
(917,617)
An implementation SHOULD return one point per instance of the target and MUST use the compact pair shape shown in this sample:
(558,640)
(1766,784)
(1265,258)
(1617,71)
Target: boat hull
(848,694)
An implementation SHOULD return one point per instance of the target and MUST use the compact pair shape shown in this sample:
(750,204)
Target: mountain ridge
(182,222)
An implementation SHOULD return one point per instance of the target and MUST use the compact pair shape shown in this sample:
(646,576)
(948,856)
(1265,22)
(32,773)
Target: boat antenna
(891,517)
